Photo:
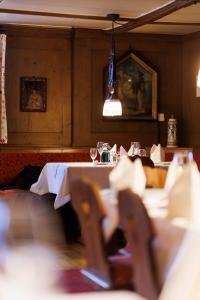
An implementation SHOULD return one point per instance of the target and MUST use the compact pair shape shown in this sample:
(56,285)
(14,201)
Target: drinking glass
(100,149)
(182,158)
(93,154)
(135,146)
(142,152)
(113,157)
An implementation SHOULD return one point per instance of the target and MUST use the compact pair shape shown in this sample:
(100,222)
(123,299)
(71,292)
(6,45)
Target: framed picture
(137,89)
(33,94)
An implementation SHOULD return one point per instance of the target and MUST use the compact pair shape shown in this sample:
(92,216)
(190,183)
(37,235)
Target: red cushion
(168,156)
(12,163)
(121,270)
(196,156)
(72,281)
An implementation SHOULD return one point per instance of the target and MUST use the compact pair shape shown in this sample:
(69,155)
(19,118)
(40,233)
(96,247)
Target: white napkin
(114,148)
(128,174)
(122,151)
(183,278)
(173,173)
(184,196)
(130,151)
(157,153)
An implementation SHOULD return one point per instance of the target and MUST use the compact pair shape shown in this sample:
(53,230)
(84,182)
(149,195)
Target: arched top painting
(137,89)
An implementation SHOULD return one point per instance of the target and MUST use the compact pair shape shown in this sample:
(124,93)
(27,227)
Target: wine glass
(142,152)
(93,154)
(182,158)
(100,149)
(135,146)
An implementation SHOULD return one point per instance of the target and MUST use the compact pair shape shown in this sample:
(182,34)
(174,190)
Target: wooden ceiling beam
(176,23)
(154,15)
(131,22)
(57,15)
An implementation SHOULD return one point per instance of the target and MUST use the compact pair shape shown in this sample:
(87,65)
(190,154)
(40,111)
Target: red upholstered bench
(12,163)
(196,156)
(168,156)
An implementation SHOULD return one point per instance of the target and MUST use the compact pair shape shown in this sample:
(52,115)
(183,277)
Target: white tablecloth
(104,295)
(54,178)
(155,201)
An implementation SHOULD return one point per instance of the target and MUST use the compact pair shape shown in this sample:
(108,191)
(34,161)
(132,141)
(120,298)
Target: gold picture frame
(33,94)
(136,88)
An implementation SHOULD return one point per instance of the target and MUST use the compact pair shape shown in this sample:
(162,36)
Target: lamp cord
(112,77)
(113,56)
(112,35)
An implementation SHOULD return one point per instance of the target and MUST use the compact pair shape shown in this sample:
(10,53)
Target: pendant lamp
(112,105)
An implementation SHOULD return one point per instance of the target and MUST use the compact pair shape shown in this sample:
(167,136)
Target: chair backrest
(146,161)
(100,175)
(156,177)
(89,208)
(139,233)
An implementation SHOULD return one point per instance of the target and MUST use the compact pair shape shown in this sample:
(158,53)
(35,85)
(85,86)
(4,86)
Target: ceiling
(92,14)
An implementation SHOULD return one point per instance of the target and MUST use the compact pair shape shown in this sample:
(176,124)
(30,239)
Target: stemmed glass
(182,158)
(135,146)
(93,154)
(100,149)
(142,152)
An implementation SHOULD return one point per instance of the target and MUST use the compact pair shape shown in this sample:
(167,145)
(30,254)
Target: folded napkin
(157,153)
(128,174)
(122,151)
(183,278)
(173,173)
(114,148)
(184,196)
(130,151)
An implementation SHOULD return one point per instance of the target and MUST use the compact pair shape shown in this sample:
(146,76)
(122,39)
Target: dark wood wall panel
(190,125)
(47,53)
(91,59)
(31,53)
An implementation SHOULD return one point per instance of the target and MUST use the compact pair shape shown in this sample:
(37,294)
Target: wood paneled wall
(39,53)
(190,133)
(74,65)
(91,51)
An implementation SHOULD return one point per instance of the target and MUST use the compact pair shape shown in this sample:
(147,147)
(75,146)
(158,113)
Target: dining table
(176,242)
(55,178)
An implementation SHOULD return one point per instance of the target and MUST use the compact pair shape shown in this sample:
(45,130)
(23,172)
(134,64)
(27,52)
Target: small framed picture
(33,94)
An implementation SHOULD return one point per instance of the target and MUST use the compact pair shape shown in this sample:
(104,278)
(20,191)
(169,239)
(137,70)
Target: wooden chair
(100,175)
(155,177)
(139,233)
(108,271)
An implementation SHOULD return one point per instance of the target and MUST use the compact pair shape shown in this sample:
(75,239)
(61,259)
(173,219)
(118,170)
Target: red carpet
(72,281)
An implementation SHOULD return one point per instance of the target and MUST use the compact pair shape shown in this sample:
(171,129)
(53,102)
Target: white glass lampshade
(112,107)
(198,79)
(198,85)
